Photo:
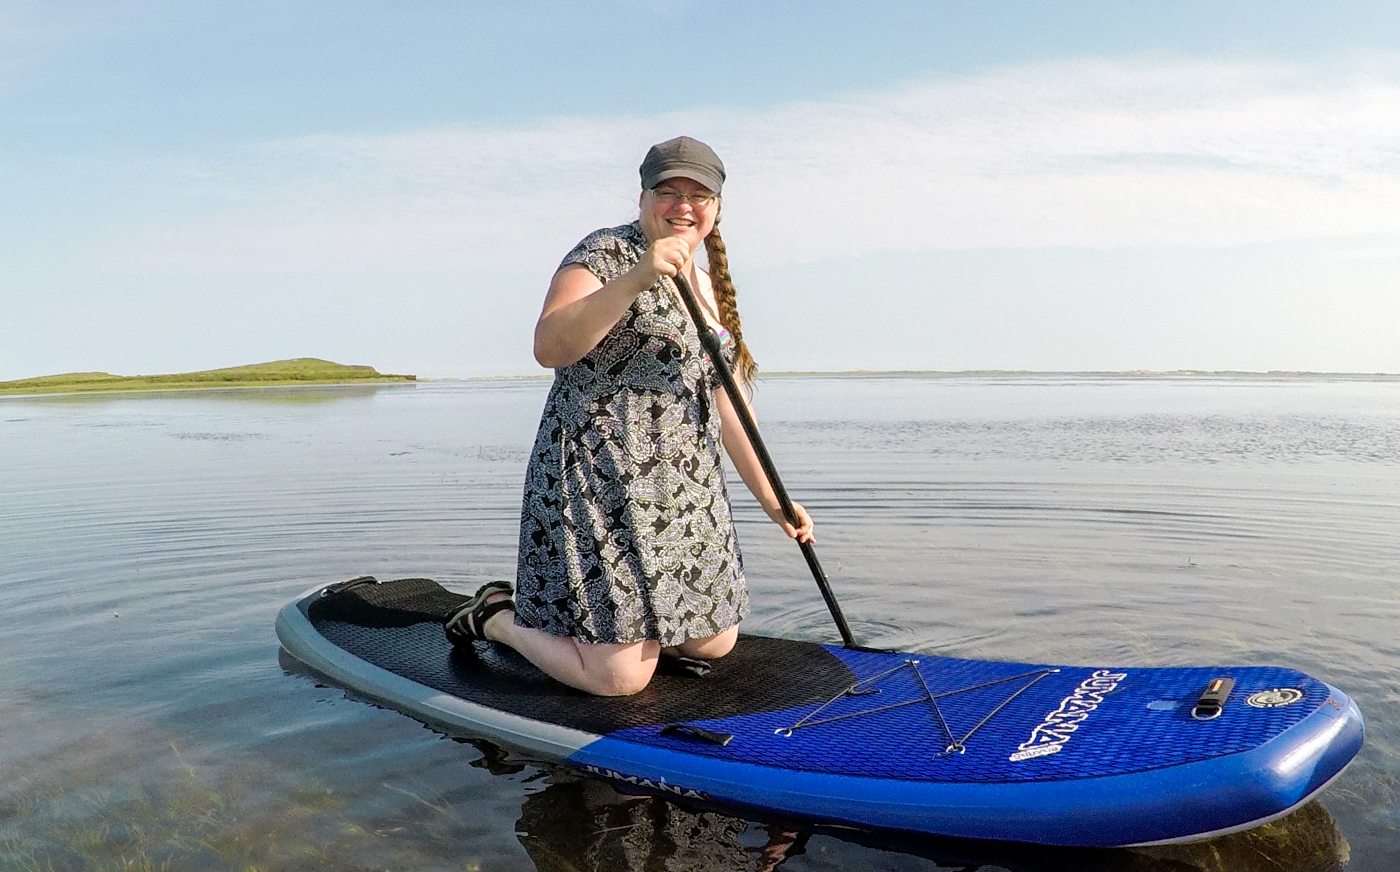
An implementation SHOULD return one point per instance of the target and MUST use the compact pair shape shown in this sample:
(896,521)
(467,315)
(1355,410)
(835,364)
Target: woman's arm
(745,460)
(579,310)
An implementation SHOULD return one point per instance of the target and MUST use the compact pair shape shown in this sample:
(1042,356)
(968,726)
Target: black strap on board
(1212,700)
(710,340)
(341,586)
(697,733)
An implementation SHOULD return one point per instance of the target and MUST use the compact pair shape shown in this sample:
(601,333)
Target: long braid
(724,300)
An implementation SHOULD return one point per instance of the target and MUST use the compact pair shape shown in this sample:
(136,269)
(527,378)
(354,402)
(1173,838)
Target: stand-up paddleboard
(1060,755)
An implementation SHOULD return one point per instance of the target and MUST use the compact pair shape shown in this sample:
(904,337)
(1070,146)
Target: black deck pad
(397,625)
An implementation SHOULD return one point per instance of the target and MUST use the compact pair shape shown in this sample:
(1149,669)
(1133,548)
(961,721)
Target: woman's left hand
(802,532)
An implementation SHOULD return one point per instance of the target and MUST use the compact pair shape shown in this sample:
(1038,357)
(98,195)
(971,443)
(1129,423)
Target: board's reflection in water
(583,825)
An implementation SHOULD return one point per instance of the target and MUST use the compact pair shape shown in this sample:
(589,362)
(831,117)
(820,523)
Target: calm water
(147,541)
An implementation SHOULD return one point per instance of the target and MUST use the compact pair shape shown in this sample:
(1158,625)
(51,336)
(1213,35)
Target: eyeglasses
(672,197)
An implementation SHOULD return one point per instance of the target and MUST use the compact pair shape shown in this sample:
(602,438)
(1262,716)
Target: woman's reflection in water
(583,825)
(580,824)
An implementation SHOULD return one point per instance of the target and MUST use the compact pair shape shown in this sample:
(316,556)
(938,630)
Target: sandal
(464,624)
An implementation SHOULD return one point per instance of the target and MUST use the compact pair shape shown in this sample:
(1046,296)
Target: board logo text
(647,783)
(1059,725)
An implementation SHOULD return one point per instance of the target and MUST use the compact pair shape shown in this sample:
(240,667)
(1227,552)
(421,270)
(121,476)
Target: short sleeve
(608,253)
(729,349)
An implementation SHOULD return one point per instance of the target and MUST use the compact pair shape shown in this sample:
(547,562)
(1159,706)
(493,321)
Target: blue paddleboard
(1056,755)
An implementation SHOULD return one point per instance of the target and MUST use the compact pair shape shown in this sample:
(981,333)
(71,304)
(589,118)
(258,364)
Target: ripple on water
(147,543)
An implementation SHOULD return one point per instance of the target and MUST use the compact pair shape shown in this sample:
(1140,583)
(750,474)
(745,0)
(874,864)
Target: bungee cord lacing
(865,687)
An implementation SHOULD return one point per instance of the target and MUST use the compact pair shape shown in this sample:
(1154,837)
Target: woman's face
(671,209)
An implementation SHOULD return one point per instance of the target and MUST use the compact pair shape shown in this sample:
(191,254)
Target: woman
(627,546)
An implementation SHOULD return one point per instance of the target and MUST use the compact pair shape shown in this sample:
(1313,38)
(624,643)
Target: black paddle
(710,340)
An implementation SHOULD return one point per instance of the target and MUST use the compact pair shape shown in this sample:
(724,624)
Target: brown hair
(723,286)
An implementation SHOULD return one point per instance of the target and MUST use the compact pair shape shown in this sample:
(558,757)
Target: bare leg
(709,647)
(604,670)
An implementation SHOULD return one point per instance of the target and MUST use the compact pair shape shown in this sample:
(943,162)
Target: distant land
(313,371)
(298,371)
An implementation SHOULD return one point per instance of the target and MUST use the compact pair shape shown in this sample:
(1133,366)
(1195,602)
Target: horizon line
(1007,373)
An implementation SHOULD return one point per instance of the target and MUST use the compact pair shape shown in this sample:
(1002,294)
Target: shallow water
(147,541)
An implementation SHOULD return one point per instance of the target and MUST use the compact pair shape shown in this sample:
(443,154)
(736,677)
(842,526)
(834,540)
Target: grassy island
(299,371)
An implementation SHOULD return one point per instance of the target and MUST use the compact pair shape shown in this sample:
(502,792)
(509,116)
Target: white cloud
(1095,153)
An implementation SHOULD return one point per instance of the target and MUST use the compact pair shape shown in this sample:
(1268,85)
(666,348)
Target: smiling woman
(627,545)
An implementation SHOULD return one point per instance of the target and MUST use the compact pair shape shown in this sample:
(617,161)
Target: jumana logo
(660,784)
(1059,726)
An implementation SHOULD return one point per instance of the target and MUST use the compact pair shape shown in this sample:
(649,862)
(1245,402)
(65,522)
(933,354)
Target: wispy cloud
(1092,153)
(34,34)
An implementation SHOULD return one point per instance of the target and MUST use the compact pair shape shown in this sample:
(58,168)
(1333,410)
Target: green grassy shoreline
(298,371)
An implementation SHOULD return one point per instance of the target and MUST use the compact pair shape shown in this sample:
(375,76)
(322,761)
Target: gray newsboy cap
(682,157)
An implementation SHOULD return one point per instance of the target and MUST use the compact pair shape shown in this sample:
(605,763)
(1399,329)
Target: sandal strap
(464,622)
(485,612)
(491,587)
(457,624)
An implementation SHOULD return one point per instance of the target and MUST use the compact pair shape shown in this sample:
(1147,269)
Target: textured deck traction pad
(397,625)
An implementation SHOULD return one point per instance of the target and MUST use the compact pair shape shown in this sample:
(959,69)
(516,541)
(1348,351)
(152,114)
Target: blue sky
(1048,186)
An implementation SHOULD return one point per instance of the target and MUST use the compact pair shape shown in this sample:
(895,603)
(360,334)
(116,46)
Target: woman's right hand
(579,310)
(802,532)
(666,256)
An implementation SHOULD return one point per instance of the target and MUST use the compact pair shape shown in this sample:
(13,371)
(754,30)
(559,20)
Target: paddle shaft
(710,340)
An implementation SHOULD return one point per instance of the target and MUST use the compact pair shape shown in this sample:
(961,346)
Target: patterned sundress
(626,532)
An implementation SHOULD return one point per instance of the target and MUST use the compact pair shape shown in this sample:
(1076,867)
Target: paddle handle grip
(711,342)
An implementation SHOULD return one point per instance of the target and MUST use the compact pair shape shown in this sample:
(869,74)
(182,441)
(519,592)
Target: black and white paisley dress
(626,532)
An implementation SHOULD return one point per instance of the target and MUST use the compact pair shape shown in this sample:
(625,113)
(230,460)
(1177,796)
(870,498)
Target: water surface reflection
(147,541)
(130,797)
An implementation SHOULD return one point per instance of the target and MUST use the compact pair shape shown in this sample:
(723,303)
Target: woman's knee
(711,647)
(619,673)
(621,683)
